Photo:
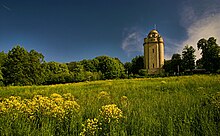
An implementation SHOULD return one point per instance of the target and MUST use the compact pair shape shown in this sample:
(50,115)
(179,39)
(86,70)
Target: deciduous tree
(22,67)
(56,73)
(111,68)
(188,58)
(174,65)
(137,64)
(210,54)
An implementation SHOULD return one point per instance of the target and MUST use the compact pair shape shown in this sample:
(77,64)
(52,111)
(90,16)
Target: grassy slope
(156,106)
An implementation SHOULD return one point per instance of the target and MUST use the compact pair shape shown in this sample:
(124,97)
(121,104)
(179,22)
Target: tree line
(208,63)
(22,67)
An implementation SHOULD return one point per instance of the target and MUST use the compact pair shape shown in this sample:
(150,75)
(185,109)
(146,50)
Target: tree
(128,67)
(176,62)
(137,64)
(56,73)
(168,67)
(111,68)
(174,65)
(199,64)
(22,67)
(77,71)
(89,65)
(188,58)
(75,66)
(210,54)
(3,57)
(85,70)
(35,70)
(16,67)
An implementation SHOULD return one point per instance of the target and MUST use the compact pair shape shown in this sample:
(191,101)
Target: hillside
(188,105)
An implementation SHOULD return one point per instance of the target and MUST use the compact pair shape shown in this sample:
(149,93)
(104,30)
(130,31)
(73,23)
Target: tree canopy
(137,64)
(22,67)
(188,58)
(210,54)
(110,67)
(174,65)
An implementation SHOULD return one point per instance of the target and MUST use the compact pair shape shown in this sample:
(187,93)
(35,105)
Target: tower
(153,52)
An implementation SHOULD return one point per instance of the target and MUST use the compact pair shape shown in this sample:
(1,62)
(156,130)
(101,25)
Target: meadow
(187,105)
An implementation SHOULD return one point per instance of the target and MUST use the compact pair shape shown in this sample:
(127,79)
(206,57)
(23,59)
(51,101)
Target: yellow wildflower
(104,95)
(111,113)
(91,127)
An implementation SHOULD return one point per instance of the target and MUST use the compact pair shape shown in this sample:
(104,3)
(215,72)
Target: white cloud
(201,21)
(203,28)
(132,41)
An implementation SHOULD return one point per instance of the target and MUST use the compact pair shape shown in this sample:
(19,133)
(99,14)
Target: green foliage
(36,71)
(75,67)
(137,64)
(143,72)
(167,66)
(90,65)
(3,57)
(174,65)
(176,61)
(188,58)
(210,54)
(22,67)
(199,64)
(128,67)
(56,73)
(80,71)
(102,67)
(111,68)
(77,71)
(15,67)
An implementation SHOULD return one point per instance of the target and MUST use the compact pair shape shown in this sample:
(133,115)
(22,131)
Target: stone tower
(153,53)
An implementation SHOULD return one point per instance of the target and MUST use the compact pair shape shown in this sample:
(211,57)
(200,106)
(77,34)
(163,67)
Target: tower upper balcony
(153,37)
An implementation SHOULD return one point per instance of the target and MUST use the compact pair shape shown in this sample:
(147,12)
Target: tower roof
(153,36)
(154,31)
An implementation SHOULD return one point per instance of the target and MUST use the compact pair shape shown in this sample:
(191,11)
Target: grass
(154,106)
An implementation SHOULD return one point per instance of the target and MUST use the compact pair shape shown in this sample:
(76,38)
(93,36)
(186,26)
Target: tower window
(153,50)
(153,65)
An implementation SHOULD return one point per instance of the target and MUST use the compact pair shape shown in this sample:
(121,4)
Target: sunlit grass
(185,105)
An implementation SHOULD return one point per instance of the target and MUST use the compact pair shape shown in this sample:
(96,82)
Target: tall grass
(154,106)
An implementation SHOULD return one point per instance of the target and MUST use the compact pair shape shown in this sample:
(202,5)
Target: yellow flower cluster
(111,113)
(55,105)
(103,95)
(91,127)
(12,103)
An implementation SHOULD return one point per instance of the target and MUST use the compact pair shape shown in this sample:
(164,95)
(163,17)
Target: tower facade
(153,53)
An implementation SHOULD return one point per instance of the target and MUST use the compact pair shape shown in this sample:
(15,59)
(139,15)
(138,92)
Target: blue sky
(72,30)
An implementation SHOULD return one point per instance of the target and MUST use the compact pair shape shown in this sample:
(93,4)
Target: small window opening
(153,50)
(153,65)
